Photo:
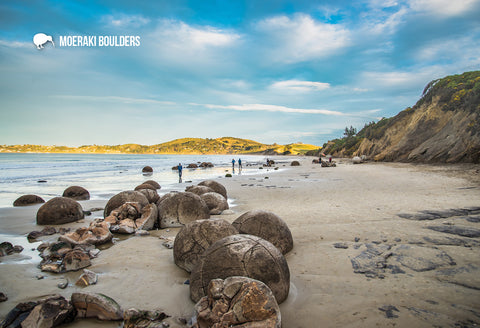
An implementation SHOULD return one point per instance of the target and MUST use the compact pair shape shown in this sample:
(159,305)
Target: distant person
(180,168)
(330,159)
(233,164)
(268,162)
(240,163)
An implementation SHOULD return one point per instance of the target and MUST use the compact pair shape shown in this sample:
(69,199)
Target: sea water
(105,175)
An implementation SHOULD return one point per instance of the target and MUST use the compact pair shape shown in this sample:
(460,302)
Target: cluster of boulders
(196,165)
(7,248)
(62,256)
(71,193)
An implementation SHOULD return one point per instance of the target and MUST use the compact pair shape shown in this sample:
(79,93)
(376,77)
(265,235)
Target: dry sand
(322,206)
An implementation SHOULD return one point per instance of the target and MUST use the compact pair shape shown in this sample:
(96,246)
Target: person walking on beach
(239,163)
(180,168)
(233,164)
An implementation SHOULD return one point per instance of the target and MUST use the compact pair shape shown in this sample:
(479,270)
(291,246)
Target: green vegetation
(225,145)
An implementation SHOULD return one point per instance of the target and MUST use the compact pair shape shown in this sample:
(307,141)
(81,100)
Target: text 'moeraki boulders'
(123,197)
(267,225)
(195,237)
(238,302)
(216,186)
(59,210)
(77,193)
(27,200)
(241,255)
(175,209)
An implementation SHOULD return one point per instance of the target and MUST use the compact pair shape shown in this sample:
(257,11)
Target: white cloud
(124,100)
(301,38)
(120,21)
(302,86)
(274,108)
(17,44)
(443,7)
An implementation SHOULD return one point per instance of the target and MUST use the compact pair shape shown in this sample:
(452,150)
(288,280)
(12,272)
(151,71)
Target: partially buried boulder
(147,169)
(27,200)
(59,210)
(96,233)
(216,203)
(266,225)
(295,163)
(238,301)
(144,186)
(151,195)
(241,255)
(153,183)
(192,166)
(195,237)
(123,197)
(199,190)
(77,193)
(131,217)
(216,186)
(175,209)
(100,306)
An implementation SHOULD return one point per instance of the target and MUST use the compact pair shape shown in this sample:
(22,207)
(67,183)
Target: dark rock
(147,169)
(175,209)
(3,297)
(6,248)
(357,239)
(295,163)
(241,255)
(59,210)
(47,231)
(122,198)
(145,186)
(134,318)
(268,226)
(421,259)
(474,219)
(76,260)
(388,309)
(195,237)
(89,305)
(77,193)
(15,317)
(467,276)
(153,183)
(237,302)
(340,245)
(216,203)
(27,200)
(17,249)
(373,261)
(192,166)
(457,230)
(206,164)
(49,312)
(216,186)
(87,213)
(63,284)
(42,181)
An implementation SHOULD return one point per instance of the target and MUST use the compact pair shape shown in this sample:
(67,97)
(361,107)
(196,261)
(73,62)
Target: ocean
(105,175)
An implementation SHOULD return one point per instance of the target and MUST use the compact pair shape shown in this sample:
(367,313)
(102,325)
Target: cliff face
(443,127)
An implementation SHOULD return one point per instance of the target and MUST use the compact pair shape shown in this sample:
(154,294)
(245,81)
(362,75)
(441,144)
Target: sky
(270,71)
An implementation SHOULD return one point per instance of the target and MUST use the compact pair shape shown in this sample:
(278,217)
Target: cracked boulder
(131,217)
(176,209)
(96,305)
(216,203)
(96,233)
(122,198)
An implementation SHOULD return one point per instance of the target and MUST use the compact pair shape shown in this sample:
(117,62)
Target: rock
(420,259)
(147,169)
(131,217)
(59,210)
(373,261)
(60,257)
(340,245)
(216,186)
(47,231)
(266,225)
(76,260)
(467,276)
(100,306)
(145,186)
(134,318)
(206,164)
(388,309)
(356,160)
(329,164)
(295,163)
(96,233)
(87,278)
(192,166)
(77,193)
(27,200)
(3,297)
(457,230)
(199,190)
(195,237)
(238,302)
(315,161)
(49,312)
(17,249)
(151,195)
(175,209)
(63,284)
(15,317)
(241,255)
(216,203)
(153,183)
(123,197)
(6,248)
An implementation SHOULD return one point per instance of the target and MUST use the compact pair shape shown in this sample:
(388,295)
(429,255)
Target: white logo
(41,38)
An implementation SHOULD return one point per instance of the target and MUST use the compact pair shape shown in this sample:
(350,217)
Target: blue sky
(271,71)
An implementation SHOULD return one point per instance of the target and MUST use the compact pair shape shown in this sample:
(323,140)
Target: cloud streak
(302,86)
(274,108)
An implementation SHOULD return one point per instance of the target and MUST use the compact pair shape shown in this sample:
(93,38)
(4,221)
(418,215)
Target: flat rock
(467,276)
(421,259)
(457,230)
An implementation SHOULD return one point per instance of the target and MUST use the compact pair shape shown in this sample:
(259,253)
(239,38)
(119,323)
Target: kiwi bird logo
(41,38)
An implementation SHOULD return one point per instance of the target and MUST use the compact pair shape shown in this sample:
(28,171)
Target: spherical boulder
(241,255)
(145,186)
(153,183)
(27,200)
(217,187)
(238,302)
(266,225)
(199,190)
(77,193)
(357,160)
(151,195)
(216,203)
(295,163)
(195,237)
(175,209)
(59,210)
(123,197)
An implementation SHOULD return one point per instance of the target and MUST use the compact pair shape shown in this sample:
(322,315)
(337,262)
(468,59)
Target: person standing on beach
(239,163)
(180,168)
(233,164)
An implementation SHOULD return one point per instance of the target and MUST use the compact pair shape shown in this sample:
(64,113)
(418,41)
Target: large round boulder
(145,186)
(153,183)
(238,302)
(199,190)
(151,195)
(77,193)
(123,197)
(216,203)
(27,200)
(147,169)
(241,255)
(176,209)
(59,210)
(266,225)
(295,163)
(195,237)
(216,186)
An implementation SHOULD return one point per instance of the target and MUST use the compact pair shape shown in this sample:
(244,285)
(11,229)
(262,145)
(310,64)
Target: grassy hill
(194,146)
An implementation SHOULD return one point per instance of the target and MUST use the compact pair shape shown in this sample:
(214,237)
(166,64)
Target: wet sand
(322,207)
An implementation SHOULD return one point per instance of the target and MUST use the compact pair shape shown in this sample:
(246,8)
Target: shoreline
(354,205)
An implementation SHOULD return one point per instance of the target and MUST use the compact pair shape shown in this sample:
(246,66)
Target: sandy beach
(334,214)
